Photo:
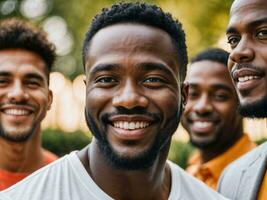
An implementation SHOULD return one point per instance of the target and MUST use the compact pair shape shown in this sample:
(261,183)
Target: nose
(203,105)
(130,96)
(17,93)
(243,52)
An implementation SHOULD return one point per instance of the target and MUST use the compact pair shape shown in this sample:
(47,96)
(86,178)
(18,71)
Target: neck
(208,154)
(152,183)
(22,157)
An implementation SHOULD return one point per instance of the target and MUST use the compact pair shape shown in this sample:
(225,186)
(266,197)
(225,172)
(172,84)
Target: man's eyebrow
(4,73)
(104,67)
(222,86)
(213,86)
(258,22)
(231,30)
(149,66)
(36,76)
(250,25)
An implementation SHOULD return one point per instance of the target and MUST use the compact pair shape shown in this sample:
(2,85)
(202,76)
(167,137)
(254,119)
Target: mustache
(238,66)
(16,104)
(134,111)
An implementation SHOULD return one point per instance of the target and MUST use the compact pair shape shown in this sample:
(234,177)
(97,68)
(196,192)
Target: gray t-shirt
(67,179)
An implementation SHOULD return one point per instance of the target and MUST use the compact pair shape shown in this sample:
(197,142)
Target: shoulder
(231,175)
(189,187)
(39,182)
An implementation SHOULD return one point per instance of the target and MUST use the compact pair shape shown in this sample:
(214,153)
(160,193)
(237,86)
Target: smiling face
(24,94)
(247,36)
(132,93)
(210,115)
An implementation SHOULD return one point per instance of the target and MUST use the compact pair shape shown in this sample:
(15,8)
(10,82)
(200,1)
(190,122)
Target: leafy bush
(62,143)
(180,152)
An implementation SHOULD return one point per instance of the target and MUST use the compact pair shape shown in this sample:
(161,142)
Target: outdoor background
(66,22)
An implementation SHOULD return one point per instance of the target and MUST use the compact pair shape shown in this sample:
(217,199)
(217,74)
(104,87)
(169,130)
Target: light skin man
(25,62)
(135,61)
(211,117)
(247,36)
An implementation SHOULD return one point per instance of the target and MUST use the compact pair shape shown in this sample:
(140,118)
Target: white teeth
(202,124)
(16,112)
(130,125)
(247,78)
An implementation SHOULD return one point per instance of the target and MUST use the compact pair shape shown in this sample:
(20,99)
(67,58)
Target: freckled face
(132,90)
(247,36)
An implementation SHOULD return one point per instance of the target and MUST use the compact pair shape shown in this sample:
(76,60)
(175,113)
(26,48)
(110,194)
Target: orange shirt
(8,179)
(210,171)
(263,189)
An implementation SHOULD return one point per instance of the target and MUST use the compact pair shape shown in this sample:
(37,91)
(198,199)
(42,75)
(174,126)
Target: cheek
(96,100)
(168,102)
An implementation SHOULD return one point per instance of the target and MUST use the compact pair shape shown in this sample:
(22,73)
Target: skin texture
(210,115)
(247,36)
(129,78)
(23,88)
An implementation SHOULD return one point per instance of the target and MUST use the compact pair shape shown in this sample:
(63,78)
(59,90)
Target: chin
(256,109)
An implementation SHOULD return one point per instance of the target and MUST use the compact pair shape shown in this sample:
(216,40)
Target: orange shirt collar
(216,165)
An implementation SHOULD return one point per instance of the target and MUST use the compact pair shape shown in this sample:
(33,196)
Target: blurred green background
(66,22)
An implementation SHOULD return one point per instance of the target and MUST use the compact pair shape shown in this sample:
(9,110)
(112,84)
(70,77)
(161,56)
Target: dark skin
(247,36)
(210,116)
(25,99)
(132,83)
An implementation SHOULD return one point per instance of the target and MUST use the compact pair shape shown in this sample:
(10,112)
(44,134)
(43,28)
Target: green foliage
(62,143)
(204,22)
(180,152)
(260,141)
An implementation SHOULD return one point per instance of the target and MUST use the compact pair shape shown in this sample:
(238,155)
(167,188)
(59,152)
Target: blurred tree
(204,23)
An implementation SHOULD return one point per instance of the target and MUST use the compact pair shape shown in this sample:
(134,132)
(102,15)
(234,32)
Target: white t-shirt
(67,179)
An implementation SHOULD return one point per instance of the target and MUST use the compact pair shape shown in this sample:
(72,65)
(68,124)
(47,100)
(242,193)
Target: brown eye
(233,41)
(105,79)
(262,34)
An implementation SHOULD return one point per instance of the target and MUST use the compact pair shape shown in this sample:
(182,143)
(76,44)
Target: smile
(199,124)
(247,78)
(17,112)
(130,125)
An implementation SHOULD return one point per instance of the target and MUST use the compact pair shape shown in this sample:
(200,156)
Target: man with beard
(135,61)
(247,36)
(211,117)
(26,58)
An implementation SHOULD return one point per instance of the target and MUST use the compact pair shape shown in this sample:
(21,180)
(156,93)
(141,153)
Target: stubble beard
(15,134)
(257,109)
(141,161)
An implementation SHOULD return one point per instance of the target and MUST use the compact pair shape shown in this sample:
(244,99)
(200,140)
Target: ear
(185,89)
(50,99)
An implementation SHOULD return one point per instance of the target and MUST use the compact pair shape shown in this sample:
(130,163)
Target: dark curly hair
(212,54)
(141,13)
(19,34)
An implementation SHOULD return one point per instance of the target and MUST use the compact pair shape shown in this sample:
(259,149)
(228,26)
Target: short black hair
(212,54)
(19,34)
(141,13)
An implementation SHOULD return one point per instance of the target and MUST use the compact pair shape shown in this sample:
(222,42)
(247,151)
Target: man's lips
(14,110)
(202,126)
(129,127)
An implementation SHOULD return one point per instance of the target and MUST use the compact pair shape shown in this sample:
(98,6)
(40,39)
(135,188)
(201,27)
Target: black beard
(18,138)
(142,161)
(254,110)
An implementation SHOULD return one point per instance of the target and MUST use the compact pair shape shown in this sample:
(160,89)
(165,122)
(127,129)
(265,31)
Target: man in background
(246,178)
(211,117)
(26,58)
(135,61)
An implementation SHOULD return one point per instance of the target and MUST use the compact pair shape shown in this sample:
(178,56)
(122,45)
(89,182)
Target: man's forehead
(244,5)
